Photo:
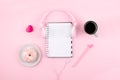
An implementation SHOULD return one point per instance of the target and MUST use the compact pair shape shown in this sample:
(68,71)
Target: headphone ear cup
(43,30)
(90,27)
(73,32)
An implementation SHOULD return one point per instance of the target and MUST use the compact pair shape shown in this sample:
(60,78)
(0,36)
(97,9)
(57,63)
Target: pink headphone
(69,15)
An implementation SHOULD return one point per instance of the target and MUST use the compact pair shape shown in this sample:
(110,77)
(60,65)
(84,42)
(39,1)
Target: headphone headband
(69,15)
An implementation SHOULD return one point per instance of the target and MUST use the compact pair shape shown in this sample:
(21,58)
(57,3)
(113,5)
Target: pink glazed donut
(30,55)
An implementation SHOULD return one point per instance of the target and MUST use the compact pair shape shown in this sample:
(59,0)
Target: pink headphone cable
(58,74)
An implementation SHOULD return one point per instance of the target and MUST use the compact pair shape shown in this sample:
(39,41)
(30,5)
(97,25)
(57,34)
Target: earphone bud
(90,27)
(69,15)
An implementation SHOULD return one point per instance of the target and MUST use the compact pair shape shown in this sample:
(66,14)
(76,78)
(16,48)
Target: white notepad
(58,39)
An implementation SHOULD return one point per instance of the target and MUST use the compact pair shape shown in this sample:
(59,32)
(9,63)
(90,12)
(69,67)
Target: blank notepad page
(58,40)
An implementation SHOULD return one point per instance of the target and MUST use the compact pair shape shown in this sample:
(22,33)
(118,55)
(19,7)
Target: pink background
(101,62)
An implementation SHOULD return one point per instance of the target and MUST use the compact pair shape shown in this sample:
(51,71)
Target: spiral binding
(47,36)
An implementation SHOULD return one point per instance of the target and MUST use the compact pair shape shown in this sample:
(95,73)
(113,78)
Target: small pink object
(29,28)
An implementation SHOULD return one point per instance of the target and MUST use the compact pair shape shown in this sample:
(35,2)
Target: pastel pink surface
(101,62)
